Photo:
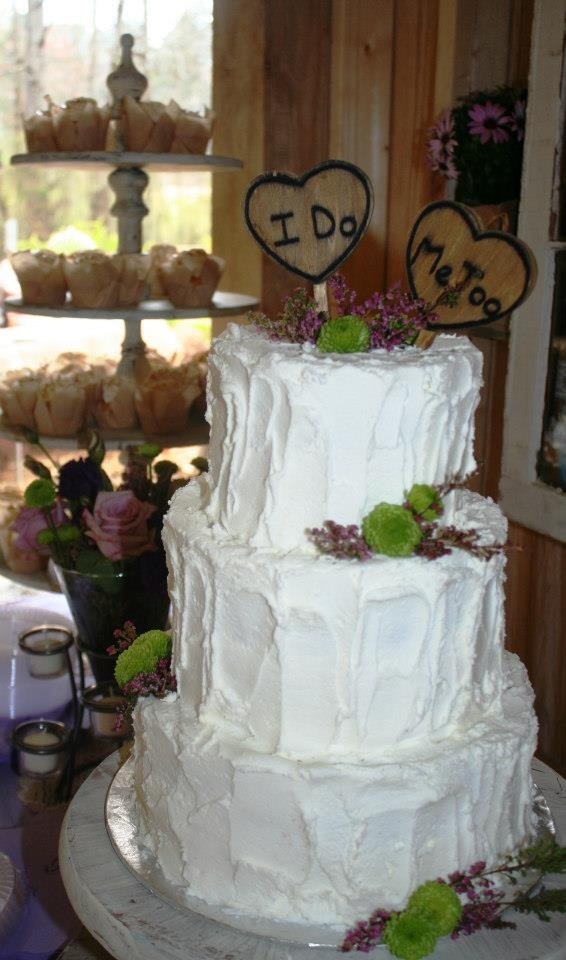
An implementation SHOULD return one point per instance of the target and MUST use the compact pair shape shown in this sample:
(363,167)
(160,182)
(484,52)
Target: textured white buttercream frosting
(310,656)
(323,843)
(298,437)
(343,730)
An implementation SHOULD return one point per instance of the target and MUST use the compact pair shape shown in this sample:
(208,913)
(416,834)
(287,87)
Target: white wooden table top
(132,923)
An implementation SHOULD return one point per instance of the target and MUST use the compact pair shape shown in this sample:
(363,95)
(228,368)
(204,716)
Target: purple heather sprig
(153,683)
(366,934)
(413,528)
(299,321)
(482,902)
(124,637)
(342,542)
(438,541)
(394,318)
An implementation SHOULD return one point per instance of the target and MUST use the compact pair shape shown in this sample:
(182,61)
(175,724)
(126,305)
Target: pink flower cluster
(488,121)
(32,520)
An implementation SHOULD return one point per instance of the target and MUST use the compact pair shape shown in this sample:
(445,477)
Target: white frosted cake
(342,731)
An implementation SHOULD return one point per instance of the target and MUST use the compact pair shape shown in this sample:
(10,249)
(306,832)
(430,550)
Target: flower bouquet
(105,542)
(479,144)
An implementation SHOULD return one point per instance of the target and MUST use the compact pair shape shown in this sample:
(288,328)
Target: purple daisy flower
(488,122)
(441,146)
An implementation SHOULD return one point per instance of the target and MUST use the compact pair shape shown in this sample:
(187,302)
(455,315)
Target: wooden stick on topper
(310,224)
(471,276)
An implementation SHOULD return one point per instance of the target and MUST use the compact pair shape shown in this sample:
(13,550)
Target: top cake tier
(299,436)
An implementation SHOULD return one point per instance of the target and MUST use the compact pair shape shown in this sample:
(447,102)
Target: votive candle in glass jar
(45,648)
(103,701)
(41,746)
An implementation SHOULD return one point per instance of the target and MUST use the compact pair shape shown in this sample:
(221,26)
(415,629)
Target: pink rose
(118,524)
(30,521)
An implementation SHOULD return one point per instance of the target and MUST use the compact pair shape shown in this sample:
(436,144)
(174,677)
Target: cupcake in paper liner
(81,125)
(41,276)
(190,278)
(61,407)
(18,397)
(163,399)
(133,270)
(147,126)
(114,407)
(192,131)
(39,130)
(73,363)
(93,279)
(159,254)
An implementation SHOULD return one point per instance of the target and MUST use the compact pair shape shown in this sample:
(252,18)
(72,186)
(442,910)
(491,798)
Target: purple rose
(80,480)
(30,521)
(119,525)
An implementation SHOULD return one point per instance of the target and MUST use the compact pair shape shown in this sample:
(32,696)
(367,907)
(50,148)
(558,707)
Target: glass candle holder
(102,701)
(42,747)
(45,648)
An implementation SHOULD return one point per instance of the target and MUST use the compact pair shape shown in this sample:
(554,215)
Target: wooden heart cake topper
(310,224)
(470,276)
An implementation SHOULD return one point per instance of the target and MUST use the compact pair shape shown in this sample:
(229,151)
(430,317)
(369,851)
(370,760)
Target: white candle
(103,717)
(41,763)
(45,647)
(48,660)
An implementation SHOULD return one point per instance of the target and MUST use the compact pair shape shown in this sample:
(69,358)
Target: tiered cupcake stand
(128,180)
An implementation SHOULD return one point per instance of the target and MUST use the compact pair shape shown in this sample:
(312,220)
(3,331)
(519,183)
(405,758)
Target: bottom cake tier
(314,842)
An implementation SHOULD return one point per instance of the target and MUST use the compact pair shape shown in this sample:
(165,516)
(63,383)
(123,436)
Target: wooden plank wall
(296,83)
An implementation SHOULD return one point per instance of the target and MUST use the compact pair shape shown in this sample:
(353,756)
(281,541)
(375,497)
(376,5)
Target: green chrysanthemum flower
(392,530)
(438,904)
(68,533)
(425,501)
(344,335)
(149,450)
(409,936)
(142,655)
(45,537)
(40,493)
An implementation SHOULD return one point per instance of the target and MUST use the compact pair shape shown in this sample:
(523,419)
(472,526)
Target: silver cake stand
(134,922)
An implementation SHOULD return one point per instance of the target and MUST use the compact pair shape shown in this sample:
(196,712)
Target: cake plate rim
(119,812)
(130,922)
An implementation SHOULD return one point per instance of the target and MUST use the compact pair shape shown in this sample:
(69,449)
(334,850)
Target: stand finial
(126,79)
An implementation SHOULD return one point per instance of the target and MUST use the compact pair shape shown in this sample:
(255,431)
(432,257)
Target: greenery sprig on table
(463,903)
(400,530)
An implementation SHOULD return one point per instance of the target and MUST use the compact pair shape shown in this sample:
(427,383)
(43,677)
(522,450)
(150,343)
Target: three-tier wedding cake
(342,731)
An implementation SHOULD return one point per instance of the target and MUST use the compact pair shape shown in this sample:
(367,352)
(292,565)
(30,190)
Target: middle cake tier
(308,656)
